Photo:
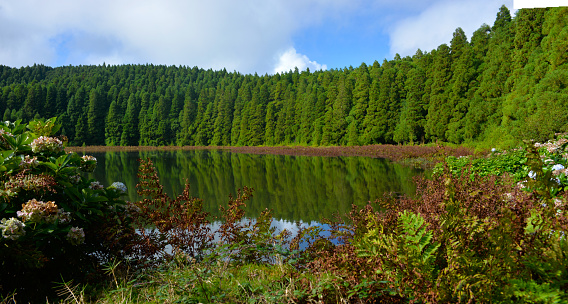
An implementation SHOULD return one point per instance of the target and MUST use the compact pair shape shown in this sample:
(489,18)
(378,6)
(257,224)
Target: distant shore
(391,152)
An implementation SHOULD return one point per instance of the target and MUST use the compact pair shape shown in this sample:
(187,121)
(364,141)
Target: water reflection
(296,188)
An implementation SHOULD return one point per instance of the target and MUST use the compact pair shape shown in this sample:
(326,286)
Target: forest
(508,82)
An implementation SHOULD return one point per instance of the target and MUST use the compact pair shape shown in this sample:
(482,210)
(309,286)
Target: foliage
(467,239)
(536,165)
(410,245)
(464,240)
(54,221)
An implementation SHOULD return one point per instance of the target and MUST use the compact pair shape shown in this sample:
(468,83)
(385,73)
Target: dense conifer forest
(508,82)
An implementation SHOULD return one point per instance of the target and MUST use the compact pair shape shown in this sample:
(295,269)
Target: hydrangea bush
(546,163)
(54,222)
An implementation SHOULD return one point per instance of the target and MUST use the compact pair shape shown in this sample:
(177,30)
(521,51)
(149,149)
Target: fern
(405,257)
(532,292)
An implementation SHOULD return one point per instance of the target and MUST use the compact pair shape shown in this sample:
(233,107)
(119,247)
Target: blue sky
(263,36)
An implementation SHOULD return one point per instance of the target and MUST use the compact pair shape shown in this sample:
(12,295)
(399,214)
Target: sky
(247,36)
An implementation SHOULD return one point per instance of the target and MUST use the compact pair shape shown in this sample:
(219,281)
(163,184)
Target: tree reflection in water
(296,188)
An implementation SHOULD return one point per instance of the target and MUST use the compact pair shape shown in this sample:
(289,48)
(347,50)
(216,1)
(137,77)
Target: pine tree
(412,118)
(360,104)
(34,101)
(340,111)
(144,120)
(96,118)
(307,113)
(50,106)
(130,133)
(463,74)
(438,110)
(113,125)
(257,115)
(160,118)
(369,128)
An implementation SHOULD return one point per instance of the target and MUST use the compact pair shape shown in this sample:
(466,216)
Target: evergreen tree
(439,112)
(463,75)
(50,105)
(340,111)
(113,125)
(96,118)
(34,101)
(412,118)
(370,129)
(257,115)
(187,117)
(360,104)
(143,120)
(130,133)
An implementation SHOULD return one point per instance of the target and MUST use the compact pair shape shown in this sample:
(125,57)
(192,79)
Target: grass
(212,281)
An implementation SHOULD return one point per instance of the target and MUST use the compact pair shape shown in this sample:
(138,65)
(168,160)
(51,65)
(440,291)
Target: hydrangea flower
(88,163)
(64,217)
(532,174)
(4,132)
(29,162)
(38,211)
(119,187)
(46,144)
(557,167)
(76,236)
(75,179)
(96,186)
(131,208)
(3,141)
(12,228)
(30,182)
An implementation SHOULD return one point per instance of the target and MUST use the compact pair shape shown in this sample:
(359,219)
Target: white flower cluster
(38,211)
(88,163)
(12,228)
(552,146)
(3,141)
(29,162)
(76,236)
(131,208)
(4,132)
(559,169)
(46,144)
(119,187)
(75,179)
(96,186)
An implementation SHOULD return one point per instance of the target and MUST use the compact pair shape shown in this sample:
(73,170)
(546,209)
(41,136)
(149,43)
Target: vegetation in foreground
(488,230)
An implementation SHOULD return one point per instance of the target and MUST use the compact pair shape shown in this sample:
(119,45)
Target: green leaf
(96,199)
(50,165)
(7,154)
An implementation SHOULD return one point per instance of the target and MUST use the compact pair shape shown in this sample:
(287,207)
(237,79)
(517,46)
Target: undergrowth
(476,234)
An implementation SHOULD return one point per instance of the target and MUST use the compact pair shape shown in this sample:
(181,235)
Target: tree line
(508,82)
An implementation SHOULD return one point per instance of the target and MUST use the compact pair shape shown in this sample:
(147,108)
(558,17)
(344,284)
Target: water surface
(296,188)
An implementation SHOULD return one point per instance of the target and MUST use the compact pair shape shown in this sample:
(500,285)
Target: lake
(296,188)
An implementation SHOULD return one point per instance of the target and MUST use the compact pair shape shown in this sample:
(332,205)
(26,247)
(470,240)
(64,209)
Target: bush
(55,224)
(465,240)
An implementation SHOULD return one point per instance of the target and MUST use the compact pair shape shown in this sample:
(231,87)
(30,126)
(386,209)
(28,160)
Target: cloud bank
(436,24)
(247,35)
(243,35)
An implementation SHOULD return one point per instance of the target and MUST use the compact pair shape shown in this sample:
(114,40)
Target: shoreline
(390,152)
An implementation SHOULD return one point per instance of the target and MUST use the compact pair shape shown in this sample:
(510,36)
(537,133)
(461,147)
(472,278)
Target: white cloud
(243,35)
(436,24)
(290,59)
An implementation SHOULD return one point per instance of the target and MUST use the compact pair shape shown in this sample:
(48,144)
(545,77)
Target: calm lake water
(296,188)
